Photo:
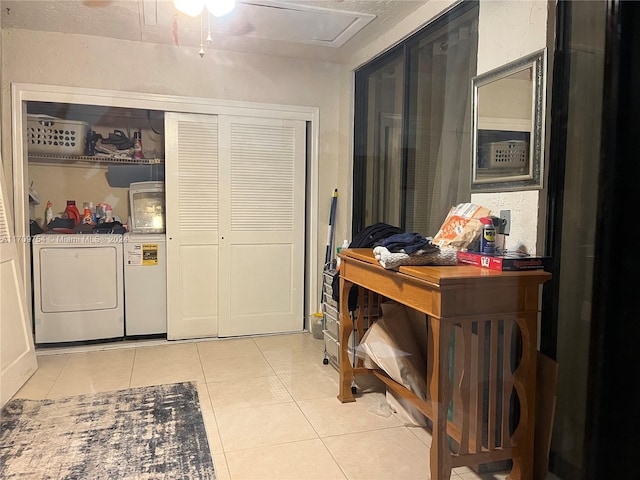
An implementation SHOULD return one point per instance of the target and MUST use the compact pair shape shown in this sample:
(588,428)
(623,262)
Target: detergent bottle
(72,212)
(87,217)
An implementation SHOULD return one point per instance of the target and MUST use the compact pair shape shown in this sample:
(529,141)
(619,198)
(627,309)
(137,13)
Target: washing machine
(145,284)
(78,287)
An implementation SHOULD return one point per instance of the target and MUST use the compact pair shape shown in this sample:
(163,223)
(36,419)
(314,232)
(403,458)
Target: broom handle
(330,229)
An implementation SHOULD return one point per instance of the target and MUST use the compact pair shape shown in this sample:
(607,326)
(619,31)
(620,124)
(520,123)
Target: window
(413,126)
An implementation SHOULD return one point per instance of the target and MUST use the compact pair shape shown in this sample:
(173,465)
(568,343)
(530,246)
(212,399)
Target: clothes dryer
(78,287)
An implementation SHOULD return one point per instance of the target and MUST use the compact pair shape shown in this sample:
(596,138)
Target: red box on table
(506,262)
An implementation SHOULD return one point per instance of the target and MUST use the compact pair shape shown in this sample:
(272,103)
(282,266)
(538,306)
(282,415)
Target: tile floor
(268,402)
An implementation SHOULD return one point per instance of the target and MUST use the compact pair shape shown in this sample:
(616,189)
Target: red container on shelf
(72,212)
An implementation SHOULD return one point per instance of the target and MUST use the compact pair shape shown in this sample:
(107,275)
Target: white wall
(101,63)
(508,30)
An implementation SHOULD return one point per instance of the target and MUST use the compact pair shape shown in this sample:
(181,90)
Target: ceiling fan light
(219,8)
(193,8)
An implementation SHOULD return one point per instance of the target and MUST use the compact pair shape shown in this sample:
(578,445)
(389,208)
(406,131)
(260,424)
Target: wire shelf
(94,159)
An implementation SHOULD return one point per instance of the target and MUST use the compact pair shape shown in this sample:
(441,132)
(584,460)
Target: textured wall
(507,31)
(101,63)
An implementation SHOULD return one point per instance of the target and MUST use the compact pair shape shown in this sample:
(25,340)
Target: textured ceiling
(306,29)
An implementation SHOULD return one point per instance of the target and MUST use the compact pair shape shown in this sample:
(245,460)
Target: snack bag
(461,227)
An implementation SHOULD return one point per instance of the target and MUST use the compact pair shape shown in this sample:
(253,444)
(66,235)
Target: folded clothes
(111,151)
(391,260)
(104,148)
(405,242)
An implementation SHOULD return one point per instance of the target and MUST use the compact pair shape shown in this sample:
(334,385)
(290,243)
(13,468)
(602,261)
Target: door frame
(26,92)
(19,361)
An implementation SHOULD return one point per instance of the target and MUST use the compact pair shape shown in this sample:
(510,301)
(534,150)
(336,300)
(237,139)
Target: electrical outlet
(505,224)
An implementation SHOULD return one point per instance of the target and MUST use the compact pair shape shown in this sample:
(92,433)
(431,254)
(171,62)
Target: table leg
(440,394)
(524,380)
(346,328)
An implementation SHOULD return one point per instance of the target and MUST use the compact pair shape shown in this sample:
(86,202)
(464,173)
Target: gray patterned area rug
(139,433)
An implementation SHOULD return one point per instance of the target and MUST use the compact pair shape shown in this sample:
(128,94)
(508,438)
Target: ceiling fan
(193,8)
(278,20)
(236,24)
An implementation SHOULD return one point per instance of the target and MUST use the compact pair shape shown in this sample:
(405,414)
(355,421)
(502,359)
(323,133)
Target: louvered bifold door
(192,206)
(261,225)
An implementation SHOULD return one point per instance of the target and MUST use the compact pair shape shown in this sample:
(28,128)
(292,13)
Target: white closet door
(17,351)
(262,182)
(192,205)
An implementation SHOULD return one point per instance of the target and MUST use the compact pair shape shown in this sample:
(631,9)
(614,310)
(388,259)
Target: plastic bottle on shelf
(93,213)
(72,212)
(108,213)
(137,145)
(100,214)
(86,217)
(88,213)
(48,213)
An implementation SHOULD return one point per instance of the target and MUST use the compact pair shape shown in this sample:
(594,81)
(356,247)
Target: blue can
(488,238)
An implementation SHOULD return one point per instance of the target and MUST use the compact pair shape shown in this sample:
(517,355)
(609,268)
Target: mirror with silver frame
(508,126)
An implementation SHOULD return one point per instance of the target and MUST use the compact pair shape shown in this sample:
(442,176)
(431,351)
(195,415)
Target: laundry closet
(229,255)
(98,265)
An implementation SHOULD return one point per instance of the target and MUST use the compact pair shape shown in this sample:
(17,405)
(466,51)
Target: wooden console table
(489,320)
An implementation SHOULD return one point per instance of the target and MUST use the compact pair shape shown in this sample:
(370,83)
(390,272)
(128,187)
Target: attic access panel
(270,20)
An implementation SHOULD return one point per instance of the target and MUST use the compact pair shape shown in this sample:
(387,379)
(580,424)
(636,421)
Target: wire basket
(498,155)
(55,136)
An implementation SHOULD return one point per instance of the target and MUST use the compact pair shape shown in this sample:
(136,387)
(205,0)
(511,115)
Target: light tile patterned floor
(268,402)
